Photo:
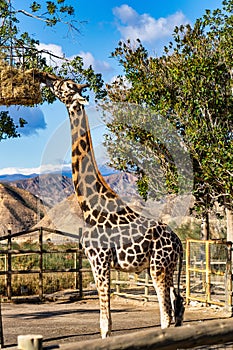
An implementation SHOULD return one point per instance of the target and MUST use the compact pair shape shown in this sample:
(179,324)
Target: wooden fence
(8,254)
(80,271)
(206,275)
(202,267)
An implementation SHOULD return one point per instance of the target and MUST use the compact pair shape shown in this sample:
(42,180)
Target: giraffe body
(115,235)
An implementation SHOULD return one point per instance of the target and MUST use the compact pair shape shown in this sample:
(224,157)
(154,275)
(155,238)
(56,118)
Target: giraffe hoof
(105,335)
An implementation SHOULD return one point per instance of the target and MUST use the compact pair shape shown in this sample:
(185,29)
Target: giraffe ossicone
(115,235)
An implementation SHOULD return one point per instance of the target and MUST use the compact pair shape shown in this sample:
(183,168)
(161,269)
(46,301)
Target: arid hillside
(19,209)
(49,201)
(65,216)
(50,188)
(24,204)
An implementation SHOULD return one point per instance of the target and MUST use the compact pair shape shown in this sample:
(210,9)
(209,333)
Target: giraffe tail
(178,301)
(180,263)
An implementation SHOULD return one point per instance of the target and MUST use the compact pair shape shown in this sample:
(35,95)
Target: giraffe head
(64,89)
(68,91)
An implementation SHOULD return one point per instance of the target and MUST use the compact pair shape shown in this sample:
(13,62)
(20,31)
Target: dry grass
(18,86)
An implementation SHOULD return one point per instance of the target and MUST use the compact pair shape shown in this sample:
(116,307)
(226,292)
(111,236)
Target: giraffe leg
(105,312)
(162,286)
(102,280)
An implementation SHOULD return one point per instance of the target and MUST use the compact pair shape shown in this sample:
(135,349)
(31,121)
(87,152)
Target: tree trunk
(229,219)
(205,227)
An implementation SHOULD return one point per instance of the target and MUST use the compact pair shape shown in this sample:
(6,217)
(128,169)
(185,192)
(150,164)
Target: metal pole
(76,271)
(41,263)
(228,279)
(9,266)
(80,266)
(208,272)
(187,271)
(1,327)
(146,286)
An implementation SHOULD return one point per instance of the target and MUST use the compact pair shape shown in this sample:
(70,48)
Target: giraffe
(115,235)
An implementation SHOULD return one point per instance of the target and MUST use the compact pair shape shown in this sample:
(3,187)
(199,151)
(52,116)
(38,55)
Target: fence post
(187,271)
(146,286)
(1,326)
(76,270)
(118,286)
(41,263)
(80,273)
(9,266)
(208,272)
(80,266)
(228,279)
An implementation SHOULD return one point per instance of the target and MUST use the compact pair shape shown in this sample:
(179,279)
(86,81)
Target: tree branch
(48,21)
(34,16)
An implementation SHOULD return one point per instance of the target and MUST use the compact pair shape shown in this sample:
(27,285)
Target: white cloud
(89,60)
(43,169)
(132,25)
(126,14)
(55,50)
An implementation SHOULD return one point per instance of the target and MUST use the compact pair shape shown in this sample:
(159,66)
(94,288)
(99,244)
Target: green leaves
(51,7)
(192,87)
(35,6)
(8,129)
(51,12)
(75,70)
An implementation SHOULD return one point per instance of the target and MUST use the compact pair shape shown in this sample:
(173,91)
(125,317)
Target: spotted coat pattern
(115,234)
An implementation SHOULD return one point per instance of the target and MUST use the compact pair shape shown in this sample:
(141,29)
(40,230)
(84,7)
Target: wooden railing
(201,268)
(8,254)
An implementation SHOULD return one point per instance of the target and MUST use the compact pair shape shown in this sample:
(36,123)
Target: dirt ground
(65,321)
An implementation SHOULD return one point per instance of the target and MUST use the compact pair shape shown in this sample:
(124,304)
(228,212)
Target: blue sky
(45,141)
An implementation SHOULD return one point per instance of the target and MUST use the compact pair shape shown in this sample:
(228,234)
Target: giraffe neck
(94,194)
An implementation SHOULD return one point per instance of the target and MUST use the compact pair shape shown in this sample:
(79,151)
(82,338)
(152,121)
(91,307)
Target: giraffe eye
(70,86)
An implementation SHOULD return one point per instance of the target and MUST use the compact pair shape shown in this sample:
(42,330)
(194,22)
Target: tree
(13,42)
(191,86)
(8,128)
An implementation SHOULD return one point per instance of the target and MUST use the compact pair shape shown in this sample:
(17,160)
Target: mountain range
(15,177)
(103,168)
(50,188)
(48,200)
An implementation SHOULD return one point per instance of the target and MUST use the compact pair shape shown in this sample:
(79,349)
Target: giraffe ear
(82,86)
(81,100)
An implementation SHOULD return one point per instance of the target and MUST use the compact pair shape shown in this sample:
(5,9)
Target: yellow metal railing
(203,266)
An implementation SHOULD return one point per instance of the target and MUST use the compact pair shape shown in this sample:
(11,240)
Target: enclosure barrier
(206,275)
(209,272)
(134,286)
(208,280)
(8,254)
(140,286)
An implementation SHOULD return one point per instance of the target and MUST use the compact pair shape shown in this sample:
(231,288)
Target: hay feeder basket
(18,83)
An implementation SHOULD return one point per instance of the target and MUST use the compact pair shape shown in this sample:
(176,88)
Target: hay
(18,86)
